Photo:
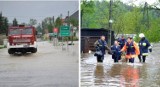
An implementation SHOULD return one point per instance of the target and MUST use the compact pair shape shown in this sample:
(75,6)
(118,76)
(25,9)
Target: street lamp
(110,32)
(110,21)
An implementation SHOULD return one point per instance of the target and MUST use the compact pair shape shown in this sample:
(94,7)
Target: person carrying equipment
(101,46)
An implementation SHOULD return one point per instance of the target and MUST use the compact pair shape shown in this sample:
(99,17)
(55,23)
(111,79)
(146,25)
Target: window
(27,31)
(21,31)
(15,32)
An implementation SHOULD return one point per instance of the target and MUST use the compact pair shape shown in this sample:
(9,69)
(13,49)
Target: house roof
(75,15)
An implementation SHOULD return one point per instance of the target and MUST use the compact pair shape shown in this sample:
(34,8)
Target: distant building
(74,16)
(74,23)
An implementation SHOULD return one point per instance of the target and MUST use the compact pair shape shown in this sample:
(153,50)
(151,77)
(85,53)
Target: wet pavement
(109,74)
(49,67)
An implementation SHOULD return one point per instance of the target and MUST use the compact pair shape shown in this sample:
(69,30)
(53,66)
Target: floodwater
(110,74)
(49,67)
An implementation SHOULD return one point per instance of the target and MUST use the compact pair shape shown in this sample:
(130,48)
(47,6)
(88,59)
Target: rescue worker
(101,44)
(131,50)
(144,45)
(116,54)
(122,41)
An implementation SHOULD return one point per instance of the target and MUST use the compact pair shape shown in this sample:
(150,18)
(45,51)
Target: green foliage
(6,26)
(73,21)
(127,19)
(48,24)
(39,28)
(32,21)
(70,38)
(58,22)
(3,24)
(87,10)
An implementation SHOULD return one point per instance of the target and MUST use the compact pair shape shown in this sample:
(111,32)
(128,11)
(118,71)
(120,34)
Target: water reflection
(119,75)
(115,70)
(109,74)
(99,74)
(130,77)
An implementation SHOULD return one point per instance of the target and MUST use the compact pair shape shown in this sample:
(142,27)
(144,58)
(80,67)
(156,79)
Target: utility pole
(61,17)
(62,37)
(69,26)
(81,17)
(53,21)
(68,19)
(146,16)
(110,22)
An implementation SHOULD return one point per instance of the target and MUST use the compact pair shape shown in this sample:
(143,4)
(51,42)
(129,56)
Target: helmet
(141,35)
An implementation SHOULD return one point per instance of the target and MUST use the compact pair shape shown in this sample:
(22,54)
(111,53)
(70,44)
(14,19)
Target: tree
(74,22)
(15,22)
(58,22)
(87,9)
(6,25)
(3,24)
(32,22)
(48,24)
(128,18)
(39,28)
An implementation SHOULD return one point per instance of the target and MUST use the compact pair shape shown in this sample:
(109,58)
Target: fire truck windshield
(21,31)
(15,32)
(27,31)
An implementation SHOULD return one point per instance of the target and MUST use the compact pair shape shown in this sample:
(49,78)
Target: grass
(2,46)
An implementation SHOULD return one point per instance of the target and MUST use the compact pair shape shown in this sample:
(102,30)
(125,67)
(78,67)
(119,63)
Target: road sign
(55,30)
(64,31)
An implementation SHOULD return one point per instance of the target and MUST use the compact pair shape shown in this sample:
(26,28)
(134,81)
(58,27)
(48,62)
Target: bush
(1,39)
(70,38)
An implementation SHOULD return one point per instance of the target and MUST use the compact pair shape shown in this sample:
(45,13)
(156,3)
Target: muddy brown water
(109,74)
(49,67)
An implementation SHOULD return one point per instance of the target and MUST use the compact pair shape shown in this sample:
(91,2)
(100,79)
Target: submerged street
(49,67)
(110,74)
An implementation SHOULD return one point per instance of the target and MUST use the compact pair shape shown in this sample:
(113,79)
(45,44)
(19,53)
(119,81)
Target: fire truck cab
(22,39)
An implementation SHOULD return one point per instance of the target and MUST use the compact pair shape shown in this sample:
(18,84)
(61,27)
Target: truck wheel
(34,50)
(23,52)
(10,51)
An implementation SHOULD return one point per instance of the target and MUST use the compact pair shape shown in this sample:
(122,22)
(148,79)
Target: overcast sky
(137,2)
(25,10)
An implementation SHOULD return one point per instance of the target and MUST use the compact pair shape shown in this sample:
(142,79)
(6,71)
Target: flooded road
(49,67)
(110,74)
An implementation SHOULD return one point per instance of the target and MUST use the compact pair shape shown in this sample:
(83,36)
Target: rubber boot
(131,60)
(144,59)
(139,56)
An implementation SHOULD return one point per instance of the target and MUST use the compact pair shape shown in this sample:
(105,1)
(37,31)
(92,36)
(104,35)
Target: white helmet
(141,35)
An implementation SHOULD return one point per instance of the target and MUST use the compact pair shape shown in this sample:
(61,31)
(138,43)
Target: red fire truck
(22,39)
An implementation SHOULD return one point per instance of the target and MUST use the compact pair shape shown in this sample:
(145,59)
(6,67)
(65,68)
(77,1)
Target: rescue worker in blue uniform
(144,46)
(101,45)
(122,41)
(116,51)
